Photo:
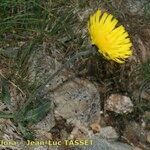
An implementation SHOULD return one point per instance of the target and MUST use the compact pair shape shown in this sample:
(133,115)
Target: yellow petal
(113,42)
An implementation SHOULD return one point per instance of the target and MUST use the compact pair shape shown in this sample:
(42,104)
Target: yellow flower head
(113,42)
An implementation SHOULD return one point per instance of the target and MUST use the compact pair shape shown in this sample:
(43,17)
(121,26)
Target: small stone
(109,133)
(95,127)
(119,104)
(80,131)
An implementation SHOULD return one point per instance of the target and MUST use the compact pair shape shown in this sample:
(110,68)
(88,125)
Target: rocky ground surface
(80,107)
(76,112)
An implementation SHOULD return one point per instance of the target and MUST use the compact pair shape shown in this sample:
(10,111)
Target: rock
(103,144)
(119,104)
(134,7)
(109,133)
(101,141)
(41,67)
(134,13)
(77,99)
(80,132)
(95,127)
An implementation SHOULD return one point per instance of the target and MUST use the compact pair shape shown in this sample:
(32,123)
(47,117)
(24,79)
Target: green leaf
(27,134)
(36,114)
(6,116)
(5,94)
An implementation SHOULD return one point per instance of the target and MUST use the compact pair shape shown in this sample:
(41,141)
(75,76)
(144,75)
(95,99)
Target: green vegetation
(25,26)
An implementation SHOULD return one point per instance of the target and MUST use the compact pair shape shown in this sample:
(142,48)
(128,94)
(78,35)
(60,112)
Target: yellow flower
(113,42)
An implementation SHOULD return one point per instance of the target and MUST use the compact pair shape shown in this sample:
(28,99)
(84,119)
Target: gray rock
(109,133)
(133,7)
(103,144)
(133,12)
(119,104)
(41,67)
(106,140)
(78,100)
